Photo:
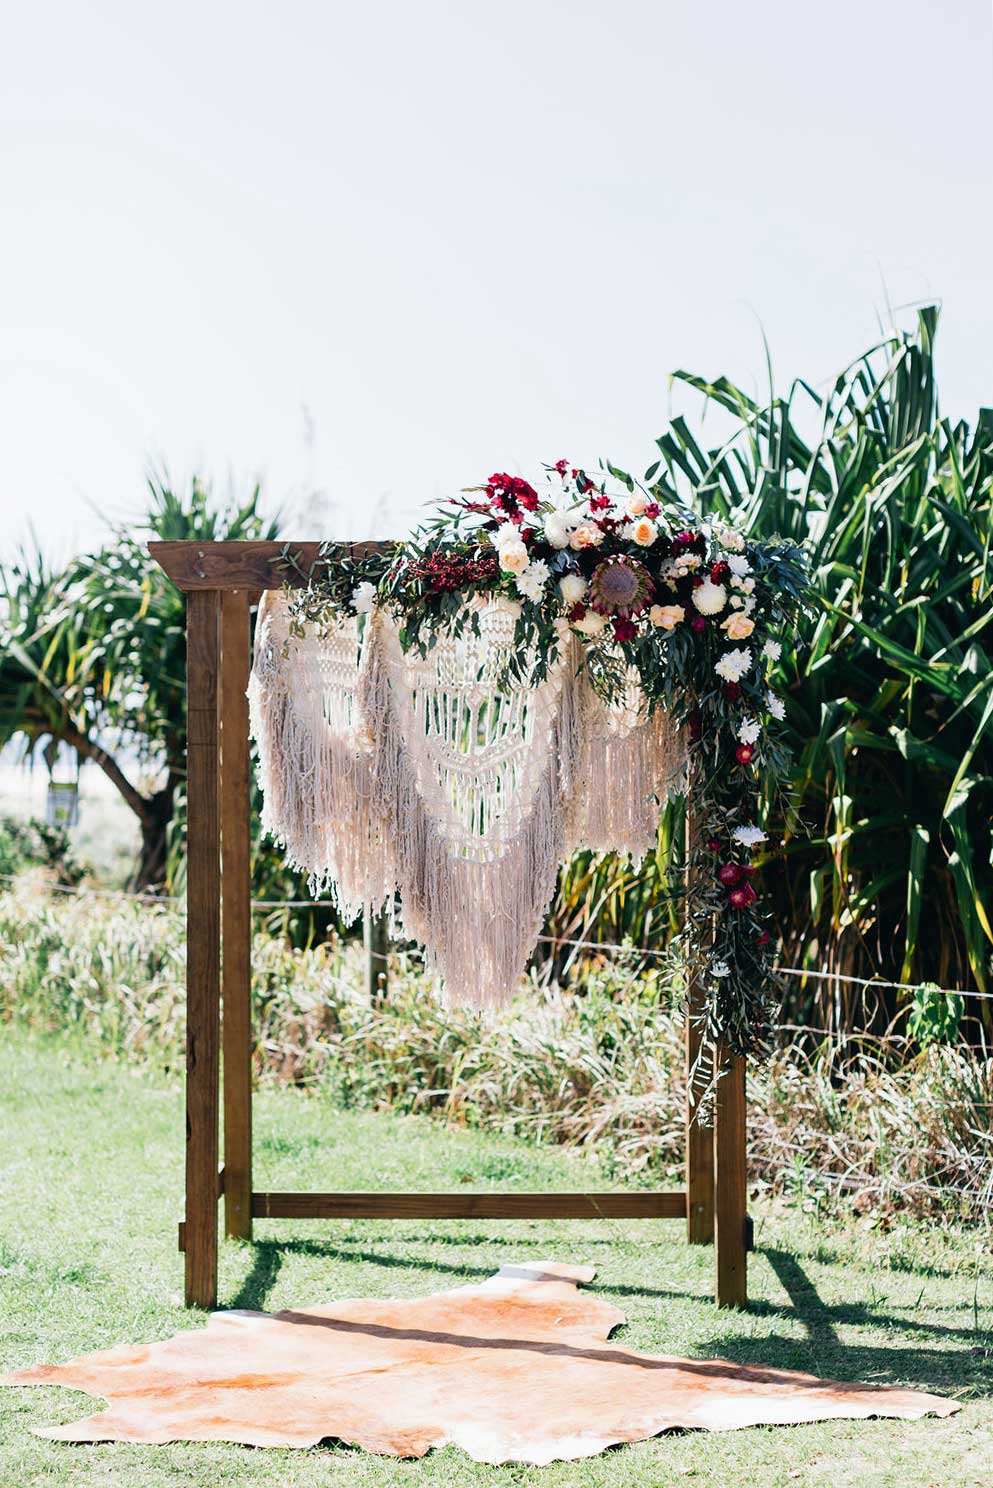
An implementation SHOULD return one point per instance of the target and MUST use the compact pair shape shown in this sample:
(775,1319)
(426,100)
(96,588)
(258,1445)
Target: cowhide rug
(517,1369)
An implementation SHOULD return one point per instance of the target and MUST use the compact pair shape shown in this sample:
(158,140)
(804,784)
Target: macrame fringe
(393,774)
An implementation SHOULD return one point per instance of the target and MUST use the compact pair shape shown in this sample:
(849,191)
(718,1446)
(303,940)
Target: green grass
(91,1191)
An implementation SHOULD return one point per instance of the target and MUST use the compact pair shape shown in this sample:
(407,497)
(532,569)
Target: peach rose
(635,504)
(644,532)
(586,535)
(738,626)
(667,616)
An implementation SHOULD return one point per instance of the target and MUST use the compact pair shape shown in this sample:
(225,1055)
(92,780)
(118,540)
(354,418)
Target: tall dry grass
(597,1065)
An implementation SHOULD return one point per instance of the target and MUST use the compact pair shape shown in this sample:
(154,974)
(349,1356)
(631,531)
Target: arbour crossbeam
(221,581)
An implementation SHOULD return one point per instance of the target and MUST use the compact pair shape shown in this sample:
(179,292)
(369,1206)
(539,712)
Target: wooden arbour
(221,581)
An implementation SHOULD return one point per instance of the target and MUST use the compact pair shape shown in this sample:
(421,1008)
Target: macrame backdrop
(387,773)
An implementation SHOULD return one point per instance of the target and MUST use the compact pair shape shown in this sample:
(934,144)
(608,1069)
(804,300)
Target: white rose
(572,587)
(729,539)
(514,557)
(635,504)
(709,598)
(591,623)
(363,598)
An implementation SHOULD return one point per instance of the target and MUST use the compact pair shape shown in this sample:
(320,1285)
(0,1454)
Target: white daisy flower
(739,565)
(506,533)
(531,583)
(749,836)
(734,664)
(772,650)
(775,705)
(749,731)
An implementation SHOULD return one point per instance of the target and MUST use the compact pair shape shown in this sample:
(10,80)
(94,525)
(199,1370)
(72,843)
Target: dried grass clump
(865,1123)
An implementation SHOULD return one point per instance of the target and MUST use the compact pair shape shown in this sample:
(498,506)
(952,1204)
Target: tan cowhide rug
(517,1369)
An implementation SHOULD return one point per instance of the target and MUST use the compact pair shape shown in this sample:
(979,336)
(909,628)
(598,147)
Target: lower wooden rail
(644,1205)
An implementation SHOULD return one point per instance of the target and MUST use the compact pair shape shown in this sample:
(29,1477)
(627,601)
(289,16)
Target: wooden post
(731,1185)
(699,1137)
(203,944)
(376,940)
(236,915)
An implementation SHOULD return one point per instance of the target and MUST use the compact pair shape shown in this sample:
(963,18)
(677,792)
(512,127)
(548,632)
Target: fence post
(376,939)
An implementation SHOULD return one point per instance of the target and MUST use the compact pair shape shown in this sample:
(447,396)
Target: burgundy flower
(561,466)
(762,938)
(742,896)
(599,503)
(713,844)
(625,630)
(744,753)
(698,624)
(729,874)
(577,612)
(652,510)
(720,572)
(510,491)
(732,691)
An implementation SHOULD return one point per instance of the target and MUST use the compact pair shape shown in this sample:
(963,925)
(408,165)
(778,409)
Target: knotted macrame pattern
(436,782)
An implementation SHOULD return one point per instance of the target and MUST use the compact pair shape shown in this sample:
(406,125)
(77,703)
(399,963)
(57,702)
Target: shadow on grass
(268,1259)
(951,1366)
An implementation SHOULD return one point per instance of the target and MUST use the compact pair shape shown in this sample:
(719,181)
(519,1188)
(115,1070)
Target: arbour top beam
(246,565)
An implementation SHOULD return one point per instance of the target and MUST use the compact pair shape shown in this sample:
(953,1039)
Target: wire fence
(779,1154)
(603,947)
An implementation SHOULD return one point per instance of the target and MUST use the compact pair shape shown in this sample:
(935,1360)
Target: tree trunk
(156,818)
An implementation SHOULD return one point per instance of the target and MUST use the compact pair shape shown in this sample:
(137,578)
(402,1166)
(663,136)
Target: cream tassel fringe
(423,776)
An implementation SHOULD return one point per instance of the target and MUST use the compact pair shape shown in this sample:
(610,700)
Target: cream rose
(667,616)
(586,535)
(591,624)
(635,504)
(514,557)
(738,626)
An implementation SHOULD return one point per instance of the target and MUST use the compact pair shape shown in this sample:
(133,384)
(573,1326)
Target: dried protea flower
(620,586)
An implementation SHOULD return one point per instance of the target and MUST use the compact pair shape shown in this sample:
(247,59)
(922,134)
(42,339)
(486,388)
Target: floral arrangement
(695,607)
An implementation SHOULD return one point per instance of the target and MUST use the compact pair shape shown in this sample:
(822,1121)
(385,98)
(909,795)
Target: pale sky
(370,253)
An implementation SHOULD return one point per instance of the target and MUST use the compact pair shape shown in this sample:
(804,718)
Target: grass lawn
(91,1166)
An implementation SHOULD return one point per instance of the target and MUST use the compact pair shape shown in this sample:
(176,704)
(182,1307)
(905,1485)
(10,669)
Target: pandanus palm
(891,702)
(95,656)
